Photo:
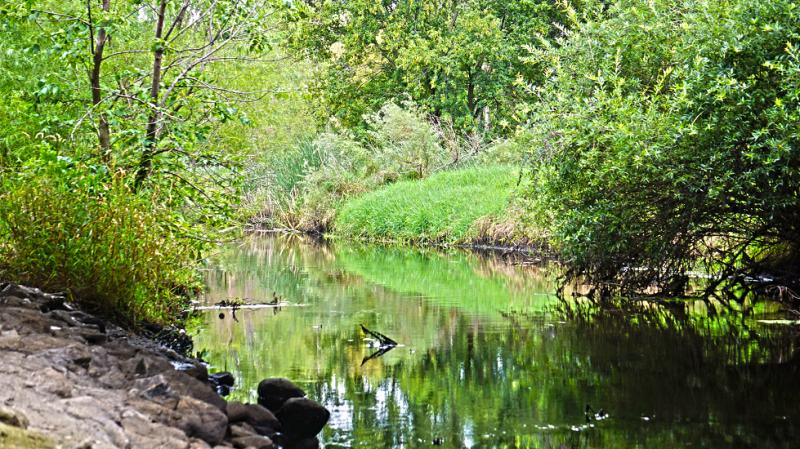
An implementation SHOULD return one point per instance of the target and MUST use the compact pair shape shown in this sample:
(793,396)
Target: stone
(92,337)
(302,418)
(223,378)
(258,417)
(305,443)
(13,418)
(20,291)
(274,392)
(15,301)
(241,429)
(188,385)
(201,420)
(255,441)
(198,370)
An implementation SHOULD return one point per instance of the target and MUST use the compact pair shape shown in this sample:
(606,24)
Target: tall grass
(443,208)
(117,253)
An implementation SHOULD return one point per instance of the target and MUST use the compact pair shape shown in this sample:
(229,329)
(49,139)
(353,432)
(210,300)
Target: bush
(65,227)
(667,141)
(305,185)
(405,142)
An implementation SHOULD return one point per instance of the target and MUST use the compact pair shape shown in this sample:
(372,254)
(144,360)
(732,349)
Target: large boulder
(201,420)
(302,418)
(258,417)
(274,392)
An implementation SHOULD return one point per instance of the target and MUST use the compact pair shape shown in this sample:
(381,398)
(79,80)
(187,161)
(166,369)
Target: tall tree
(459,59)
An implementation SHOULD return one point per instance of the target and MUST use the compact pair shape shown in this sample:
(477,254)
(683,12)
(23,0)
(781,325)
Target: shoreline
(540,251)
(71,380)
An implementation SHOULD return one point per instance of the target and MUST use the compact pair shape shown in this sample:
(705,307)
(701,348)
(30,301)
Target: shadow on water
(486,359)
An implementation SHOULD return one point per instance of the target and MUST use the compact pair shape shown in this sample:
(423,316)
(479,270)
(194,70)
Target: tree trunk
(97,47)
(151,136)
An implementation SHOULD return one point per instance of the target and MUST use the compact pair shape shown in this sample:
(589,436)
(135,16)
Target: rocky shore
(70,380)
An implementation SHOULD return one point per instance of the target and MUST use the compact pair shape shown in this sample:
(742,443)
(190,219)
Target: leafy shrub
(667,140)
(66,227)
(405,142)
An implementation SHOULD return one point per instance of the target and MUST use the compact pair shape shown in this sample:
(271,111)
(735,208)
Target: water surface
(486,360)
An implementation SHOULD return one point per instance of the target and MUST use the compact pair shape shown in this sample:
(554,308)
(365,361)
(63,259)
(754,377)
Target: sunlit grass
(442,208)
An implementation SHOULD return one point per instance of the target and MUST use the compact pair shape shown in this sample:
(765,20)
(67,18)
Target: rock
(258,417)
(188,385)
(274,392)
(15,301)
(199,371)
(92,337)
(223,378)
(241,429)
(13,418)
(20,291)
(302,418)
(222,382)
(201,420)
(305,443)
(255,441)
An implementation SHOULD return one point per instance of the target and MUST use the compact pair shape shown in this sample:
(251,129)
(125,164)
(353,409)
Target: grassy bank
(444,208)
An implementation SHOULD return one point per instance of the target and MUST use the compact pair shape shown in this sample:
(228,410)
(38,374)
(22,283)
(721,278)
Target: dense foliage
(460,60)
(116,157)
(642,140)
(667,135)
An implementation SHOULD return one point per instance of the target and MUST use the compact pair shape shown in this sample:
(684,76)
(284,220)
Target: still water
(487,360)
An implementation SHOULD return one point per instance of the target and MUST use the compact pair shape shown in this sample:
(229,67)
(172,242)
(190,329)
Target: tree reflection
(486,361)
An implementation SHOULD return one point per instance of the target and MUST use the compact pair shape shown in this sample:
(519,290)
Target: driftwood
(382,339)
(385,344)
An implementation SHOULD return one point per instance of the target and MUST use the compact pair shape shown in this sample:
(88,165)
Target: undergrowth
(65,227)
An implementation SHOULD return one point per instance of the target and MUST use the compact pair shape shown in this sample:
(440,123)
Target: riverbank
(473,207)
(70,380)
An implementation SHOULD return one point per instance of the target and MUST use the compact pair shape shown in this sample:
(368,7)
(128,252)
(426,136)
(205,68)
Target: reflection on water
(484,361)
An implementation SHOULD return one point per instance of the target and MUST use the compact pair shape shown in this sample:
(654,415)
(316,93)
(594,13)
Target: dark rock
(86,320)
(82,361)
(198,370)
(258,417)
(302,418)
(92,337)
(255,441)
(274,392)
(305,443)
(223,378)
(201,420)
(222,382)
(63,316)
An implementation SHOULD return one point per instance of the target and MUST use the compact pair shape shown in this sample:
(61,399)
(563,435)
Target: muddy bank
(69,380)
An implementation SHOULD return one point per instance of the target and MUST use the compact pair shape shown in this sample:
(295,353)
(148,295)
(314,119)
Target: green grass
(442,208)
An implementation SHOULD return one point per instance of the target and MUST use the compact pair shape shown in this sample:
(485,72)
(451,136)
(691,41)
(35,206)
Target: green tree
(460,60)
(667,141)
(142,77)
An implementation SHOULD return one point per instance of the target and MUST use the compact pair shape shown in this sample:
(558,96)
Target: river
(487,357)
